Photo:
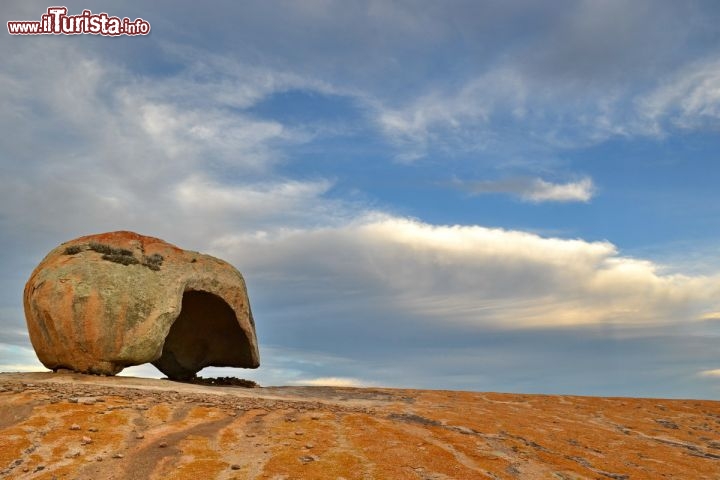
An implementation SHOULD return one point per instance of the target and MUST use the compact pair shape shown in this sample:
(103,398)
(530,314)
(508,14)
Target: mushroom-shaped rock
(103,302)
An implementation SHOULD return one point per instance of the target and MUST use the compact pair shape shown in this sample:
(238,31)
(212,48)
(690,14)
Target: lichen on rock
(100,303)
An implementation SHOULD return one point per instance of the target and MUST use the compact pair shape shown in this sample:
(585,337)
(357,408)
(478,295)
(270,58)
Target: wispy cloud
(459,118)
(145,142)
(689,99)
(291,202)
(535,190)
(569,89)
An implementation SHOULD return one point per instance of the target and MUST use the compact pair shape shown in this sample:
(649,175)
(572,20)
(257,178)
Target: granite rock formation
(83,427)
(103,302)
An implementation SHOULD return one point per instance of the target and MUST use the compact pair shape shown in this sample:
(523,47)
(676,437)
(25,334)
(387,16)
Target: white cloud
(688,99)
(257,200)
(534,190)
(542,191)
(102,116)
(452,118)
(710,373)
(507,105)
(507,112)
(562,94)
(97,147)
(468,275)
(182,134)
(226,80)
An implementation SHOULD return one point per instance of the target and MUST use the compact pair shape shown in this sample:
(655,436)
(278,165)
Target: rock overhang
(100,303)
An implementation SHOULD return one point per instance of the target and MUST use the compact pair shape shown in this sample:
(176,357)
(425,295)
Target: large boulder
(103,302)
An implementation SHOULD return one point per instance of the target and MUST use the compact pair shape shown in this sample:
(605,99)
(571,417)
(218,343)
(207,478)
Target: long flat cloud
(471,275)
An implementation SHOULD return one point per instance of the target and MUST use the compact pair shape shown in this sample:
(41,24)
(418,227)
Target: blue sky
(509,196)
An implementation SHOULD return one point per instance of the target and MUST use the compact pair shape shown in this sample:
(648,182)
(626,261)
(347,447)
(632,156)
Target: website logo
(57,22)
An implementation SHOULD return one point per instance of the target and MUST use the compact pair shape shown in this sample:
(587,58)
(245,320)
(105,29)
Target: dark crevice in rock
(205,333)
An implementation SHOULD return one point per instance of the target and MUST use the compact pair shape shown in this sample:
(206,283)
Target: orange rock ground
(69,426)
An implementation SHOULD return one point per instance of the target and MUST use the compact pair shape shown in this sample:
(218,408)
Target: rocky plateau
(73,426)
